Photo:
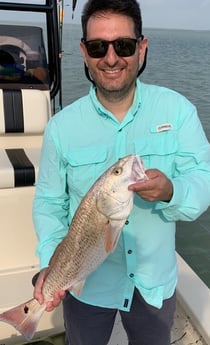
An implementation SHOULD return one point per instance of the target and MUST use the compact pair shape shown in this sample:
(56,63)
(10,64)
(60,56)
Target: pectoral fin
(113,232)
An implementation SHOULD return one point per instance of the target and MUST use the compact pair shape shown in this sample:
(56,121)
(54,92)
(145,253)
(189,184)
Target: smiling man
(114,75)
(121,116)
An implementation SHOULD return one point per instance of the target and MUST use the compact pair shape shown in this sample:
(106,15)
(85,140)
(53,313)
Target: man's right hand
(57,297)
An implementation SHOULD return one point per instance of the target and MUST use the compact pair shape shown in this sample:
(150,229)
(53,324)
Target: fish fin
(77,287)
(25,317)
(113,231)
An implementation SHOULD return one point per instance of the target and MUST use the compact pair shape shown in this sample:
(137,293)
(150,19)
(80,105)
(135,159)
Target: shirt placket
(130,255)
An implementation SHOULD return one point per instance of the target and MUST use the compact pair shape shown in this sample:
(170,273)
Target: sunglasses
(123,47)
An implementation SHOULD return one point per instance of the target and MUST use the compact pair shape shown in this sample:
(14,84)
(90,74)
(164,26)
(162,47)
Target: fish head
(114,199)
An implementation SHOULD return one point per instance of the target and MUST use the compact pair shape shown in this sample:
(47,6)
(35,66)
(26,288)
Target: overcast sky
(178,14)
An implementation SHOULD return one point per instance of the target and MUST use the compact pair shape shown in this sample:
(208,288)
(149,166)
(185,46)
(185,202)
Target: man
(120,116)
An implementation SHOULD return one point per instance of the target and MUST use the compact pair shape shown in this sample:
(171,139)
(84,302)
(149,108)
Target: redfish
(92,236)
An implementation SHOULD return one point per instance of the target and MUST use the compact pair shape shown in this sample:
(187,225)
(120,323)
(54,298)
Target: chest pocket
(84,167)
(158,151)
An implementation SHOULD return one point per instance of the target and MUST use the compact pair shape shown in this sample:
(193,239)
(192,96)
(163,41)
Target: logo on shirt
(164,127)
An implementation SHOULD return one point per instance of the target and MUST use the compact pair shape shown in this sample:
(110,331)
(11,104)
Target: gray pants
(144,324)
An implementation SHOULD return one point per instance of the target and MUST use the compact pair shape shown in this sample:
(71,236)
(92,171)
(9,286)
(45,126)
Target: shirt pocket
(84,166)
(158,151)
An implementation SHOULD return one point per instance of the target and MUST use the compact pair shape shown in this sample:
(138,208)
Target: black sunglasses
(123,47)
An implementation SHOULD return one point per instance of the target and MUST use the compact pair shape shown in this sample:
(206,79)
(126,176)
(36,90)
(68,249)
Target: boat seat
(23,116)
(18,167)
(23,111)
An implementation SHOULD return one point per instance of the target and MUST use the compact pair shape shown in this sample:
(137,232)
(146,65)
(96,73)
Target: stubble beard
(115,95)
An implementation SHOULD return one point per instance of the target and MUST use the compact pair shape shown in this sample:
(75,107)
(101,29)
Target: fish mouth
(138,171)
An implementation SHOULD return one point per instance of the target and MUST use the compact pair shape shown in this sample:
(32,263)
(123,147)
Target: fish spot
(26,309)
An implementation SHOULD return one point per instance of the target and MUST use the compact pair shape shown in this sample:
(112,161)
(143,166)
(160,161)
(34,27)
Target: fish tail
(25,317)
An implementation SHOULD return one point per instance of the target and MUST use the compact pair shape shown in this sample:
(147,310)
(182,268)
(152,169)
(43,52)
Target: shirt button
(126,222)
(130,251)
(131,275)
(120,130)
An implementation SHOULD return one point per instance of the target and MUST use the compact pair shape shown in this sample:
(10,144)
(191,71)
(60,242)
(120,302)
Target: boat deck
(183,332)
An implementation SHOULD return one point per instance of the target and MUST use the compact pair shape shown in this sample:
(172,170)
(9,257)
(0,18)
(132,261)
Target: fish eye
(117,171)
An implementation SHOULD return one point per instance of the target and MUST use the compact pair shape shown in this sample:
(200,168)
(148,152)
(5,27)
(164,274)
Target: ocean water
(178,59)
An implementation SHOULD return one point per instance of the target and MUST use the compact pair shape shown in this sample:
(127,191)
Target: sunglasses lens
(96,48)
(123,47)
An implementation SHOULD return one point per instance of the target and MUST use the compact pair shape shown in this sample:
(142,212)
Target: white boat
(25,108)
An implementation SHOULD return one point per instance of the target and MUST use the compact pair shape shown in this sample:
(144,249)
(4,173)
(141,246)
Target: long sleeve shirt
(80,143)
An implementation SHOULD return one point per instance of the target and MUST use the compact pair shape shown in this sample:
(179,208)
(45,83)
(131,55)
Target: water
(178,59)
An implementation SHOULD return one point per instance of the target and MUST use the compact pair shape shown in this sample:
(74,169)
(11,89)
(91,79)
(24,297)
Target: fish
(93,234)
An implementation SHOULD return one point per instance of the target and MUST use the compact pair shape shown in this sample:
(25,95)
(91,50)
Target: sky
(175,14)
(178,14)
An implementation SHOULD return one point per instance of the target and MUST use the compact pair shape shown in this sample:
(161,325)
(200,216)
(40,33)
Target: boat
(30,93)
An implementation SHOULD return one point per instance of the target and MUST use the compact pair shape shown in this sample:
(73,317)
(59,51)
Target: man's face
(113,74)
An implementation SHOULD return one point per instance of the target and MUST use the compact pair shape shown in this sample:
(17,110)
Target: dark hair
(129,8)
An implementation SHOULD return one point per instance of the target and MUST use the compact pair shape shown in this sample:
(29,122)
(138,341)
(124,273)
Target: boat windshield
(23,61)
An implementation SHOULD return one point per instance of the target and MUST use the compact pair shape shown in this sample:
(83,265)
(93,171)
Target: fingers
(57,298)
(39,284)
(157,188)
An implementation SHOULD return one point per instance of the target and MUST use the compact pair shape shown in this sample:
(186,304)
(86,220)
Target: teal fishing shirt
(80,143)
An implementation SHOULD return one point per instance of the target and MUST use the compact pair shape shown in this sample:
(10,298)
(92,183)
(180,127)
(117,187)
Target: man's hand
(157,188)
(57,297)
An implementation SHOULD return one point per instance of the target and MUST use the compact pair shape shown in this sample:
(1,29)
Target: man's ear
(84,53)
(142,50)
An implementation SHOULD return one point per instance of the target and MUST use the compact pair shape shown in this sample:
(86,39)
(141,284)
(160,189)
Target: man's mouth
(113,71)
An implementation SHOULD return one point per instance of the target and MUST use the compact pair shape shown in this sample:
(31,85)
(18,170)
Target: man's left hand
(157,188)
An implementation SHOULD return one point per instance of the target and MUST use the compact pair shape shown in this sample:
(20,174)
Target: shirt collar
(102,111)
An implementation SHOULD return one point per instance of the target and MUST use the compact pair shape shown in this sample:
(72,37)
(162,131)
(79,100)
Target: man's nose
(111,57)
